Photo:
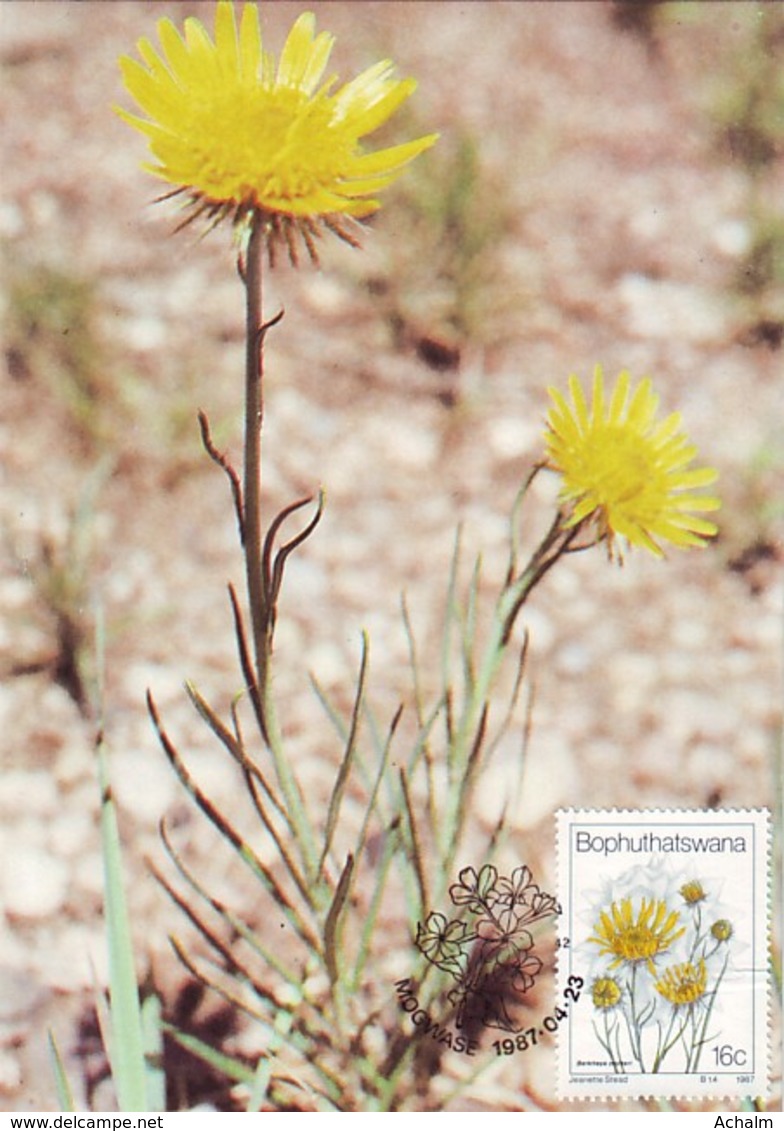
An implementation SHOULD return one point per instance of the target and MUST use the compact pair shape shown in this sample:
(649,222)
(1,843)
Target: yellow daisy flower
(636,937)
(693,891)
(245,138)
(624,469)
(722,930)
(684,984)
(606,993)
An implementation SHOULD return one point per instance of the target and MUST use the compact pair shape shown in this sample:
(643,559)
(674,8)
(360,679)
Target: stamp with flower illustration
(664,926)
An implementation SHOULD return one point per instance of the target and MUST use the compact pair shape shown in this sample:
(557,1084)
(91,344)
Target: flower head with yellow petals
(634,937)
(684,984)
(625,470)
(606,994)
(246,138)
(722,930)
(693,892)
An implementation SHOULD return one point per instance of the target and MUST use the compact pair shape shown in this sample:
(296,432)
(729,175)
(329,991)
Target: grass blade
(64,1092)
(127,1052)
(152,1032)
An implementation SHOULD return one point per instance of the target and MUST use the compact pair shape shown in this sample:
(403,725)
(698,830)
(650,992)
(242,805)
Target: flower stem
(260,601)
(469,733)
(254,415)
(700,1042)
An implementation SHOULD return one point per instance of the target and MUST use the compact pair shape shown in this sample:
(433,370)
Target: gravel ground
(624,220)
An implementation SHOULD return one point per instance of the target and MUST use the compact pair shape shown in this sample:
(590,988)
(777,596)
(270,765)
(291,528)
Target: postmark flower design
(488,950)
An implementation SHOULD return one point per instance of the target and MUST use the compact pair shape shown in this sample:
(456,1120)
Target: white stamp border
(579,882)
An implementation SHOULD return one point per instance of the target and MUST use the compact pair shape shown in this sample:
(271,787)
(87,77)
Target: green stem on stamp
(635,1036)
(708,1010)
(664,1048)
(606,1042)
(617,1051)
(698,939)
(692,1049)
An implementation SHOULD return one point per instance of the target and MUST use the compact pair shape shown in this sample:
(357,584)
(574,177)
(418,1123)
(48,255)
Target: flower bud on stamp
(664,932)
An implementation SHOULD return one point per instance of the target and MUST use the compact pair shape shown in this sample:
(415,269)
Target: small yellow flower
(245,138)
(636,937)
(722,930)
(605,993)
(626,471)
(684,984)
(693,892)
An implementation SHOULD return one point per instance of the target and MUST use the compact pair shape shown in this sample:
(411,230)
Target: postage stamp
(663,942)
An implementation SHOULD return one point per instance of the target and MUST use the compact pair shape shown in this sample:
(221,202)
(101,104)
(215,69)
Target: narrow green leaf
(263,1074)
(422,746)
(260,1085)
(234,924)
(231,964)
(300,1038)
(243,850)
(331,712)
(514,697)
(469,625)
(372,805)
(239,1000)
(413,661)
(226,1065)
(467,785)
(449,616)
(246,662)
(345,766)
(332,924)
(261,809)
(515,524)
(381,871)
(153,1052)
(64,1092)
(416,846)
(127,1052)
(253,779)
